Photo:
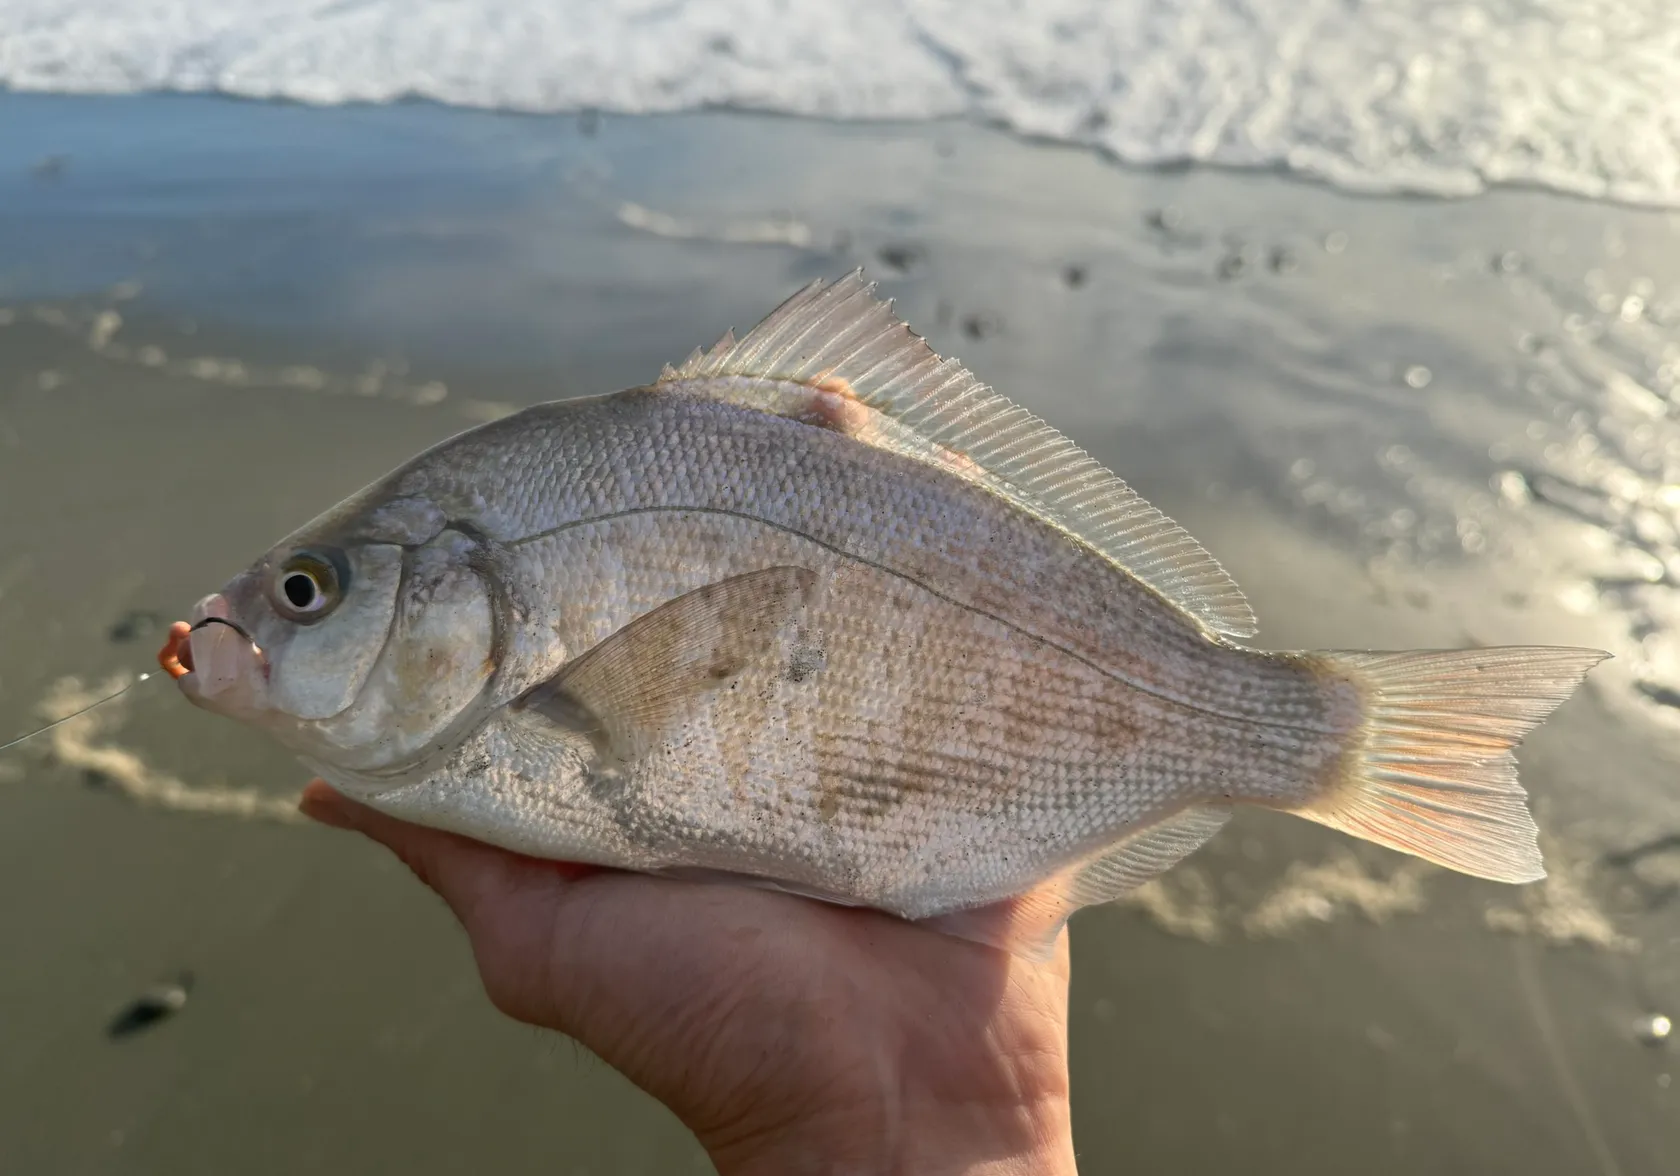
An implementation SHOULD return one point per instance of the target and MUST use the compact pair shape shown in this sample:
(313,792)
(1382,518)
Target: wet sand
(1400,423)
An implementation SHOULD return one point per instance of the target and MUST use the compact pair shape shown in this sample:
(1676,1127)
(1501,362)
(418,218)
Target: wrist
(1033,1138)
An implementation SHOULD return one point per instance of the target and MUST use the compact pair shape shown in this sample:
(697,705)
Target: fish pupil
(300,589)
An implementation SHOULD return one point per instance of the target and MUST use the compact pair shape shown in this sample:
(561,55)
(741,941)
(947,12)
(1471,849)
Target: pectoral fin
(630,691)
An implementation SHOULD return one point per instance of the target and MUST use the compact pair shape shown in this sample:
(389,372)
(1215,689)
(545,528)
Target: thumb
(508,904)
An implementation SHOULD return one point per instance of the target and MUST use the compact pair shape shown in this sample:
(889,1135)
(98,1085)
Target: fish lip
(214,605)
(213,610)
(206,610)
(228,621)
(186,654)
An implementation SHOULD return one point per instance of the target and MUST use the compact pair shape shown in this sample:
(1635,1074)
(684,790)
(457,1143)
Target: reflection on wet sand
(96,327)
(84,744)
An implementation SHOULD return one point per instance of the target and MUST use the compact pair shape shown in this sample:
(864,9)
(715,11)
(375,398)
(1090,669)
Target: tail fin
(1432,773)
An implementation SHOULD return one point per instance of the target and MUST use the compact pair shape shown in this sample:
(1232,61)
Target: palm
(754,1015)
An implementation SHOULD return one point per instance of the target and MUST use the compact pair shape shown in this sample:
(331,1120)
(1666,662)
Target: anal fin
(1146,855)
(1028,924)
(707,876)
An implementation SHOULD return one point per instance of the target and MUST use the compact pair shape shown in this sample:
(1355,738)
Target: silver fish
(819,611)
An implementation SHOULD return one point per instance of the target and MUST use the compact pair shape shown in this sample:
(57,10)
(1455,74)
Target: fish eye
(308,586)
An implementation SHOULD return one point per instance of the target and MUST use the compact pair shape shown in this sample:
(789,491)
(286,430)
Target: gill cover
(419,666)
(321,666)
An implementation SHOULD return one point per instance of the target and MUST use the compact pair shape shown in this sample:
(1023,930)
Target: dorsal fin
(837,356)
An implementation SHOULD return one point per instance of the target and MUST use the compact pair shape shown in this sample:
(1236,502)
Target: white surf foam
(1437,96)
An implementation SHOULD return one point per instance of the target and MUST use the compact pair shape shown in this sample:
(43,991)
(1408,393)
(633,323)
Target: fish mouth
(214,660)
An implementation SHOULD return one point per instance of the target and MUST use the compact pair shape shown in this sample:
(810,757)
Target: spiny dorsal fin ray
(857,366)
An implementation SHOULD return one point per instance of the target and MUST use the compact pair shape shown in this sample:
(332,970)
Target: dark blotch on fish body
(725,668)
(828,805)
(805,661)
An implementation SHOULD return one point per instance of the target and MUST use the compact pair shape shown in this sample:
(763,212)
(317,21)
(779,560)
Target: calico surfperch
(818,611)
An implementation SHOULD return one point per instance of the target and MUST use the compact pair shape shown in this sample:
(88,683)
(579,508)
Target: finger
(473,878)
(511,906)
(321,803)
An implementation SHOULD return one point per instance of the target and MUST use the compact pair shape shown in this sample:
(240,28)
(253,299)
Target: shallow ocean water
(1443,97)
(1399,421)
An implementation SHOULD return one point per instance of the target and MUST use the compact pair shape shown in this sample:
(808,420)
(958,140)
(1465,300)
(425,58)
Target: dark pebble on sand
(1164,220)
(1658,693)
(901,258)
(982,325)
(157,1003)
(133,625)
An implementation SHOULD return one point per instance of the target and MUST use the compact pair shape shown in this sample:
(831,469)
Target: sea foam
(1434,96)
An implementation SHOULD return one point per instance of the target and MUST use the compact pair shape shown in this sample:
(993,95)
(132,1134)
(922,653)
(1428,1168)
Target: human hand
(790,1036)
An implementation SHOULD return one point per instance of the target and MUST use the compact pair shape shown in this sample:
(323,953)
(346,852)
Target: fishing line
(78,714)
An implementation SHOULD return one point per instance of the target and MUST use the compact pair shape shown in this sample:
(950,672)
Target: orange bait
(169,657)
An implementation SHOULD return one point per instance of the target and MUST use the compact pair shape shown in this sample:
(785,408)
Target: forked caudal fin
(1432,772)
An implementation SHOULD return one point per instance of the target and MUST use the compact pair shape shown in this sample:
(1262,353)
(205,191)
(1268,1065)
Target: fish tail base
(1430,771)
